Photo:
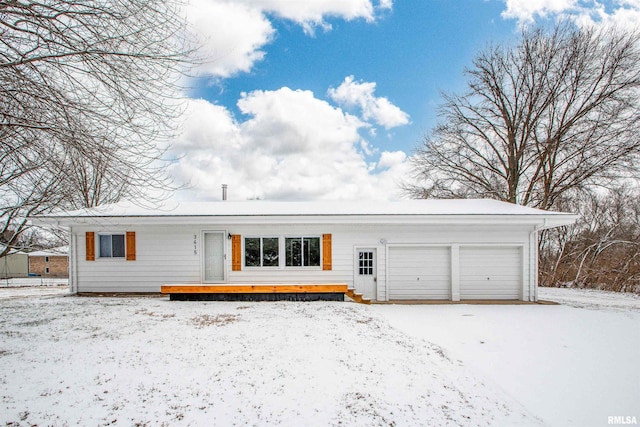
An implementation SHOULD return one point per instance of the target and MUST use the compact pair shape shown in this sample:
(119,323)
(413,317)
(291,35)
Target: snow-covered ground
(573,364)
(32,281)
(67,360)
(25,291)
(593,299)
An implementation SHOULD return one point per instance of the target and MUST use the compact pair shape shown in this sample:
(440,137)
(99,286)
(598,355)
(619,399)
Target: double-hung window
(261,251)
(302,251)
(112,246)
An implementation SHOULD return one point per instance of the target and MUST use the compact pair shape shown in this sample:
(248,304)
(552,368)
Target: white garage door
(490,272)
(419,272)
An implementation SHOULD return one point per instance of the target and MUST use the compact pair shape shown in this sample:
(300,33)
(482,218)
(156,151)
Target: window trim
(114,233)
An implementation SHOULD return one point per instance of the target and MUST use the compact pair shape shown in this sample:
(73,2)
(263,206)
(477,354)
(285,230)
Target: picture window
(302,251)
(261,251)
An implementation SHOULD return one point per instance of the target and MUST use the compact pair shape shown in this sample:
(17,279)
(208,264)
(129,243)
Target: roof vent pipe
(224,192)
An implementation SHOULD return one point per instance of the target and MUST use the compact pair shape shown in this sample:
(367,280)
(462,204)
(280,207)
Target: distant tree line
(602,250)
(552,123)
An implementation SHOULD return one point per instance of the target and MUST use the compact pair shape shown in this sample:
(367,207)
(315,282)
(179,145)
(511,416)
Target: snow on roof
(469,211)
(11,252)
(316,208)
(61,251)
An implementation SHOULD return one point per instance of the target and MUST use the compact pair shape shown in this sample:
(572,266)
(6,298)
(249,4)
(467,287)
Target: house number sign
(195,244)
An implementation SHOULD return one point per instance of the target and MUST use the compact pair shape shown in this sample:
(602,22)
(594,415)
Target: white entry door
(366,273)
(213,257)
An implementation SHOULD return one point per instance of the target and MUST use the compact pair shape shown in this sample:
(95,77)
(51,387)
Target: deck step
(356,297)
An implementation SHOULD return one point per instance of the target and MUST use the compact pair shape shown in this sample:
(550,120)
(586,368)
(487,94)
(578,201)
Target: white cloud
(233,33)
(311,13)
(288,121)
(352,94)
(390,159)
(626,15)
(231,36)
(622,13)
(293,146)
(385,4)
(526,10)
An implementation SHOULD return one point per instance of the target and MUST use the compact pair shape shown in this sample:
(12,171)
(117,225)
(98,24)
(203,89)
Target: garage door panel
(490,272)
(507,267)
(502,270)
(419,273)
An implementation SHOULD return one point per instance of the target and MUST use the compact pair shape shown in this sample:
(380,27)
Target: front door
(365,274)
(213,256)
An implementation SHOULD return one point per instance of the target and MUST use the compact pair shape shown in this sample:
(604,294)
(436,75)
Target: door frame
(201,247)
(356,266)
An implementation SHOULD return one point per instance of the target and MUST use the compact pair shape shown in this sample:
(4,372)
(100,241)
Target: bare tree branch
(89,95)
(543,118)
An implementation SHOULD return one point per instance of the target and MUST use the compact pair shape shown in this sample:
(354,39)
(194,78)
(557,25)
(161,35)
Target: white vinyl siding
(174,255)
(419,272)
(489,272)
(164,255)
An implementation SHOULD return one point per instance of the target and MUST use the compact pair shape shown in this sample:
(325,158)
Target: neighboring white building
(14,265)
(417,249)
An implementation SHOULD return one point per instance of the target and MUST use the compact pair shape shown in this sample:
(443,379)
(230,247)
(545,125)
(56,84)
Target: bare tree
(89,94)
(557,112)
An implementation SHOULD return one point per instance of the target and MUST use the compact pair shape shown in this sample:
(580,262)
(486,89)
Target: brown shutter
(131,245)
(236,253)
(91,246)
(326,251)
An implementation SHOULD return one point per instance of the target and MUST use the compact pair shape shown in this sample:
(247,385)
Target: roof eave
(540,221)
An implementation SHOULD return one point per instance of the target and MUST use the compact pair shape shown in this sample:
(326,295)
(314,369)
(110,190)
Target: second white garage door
(419,272)
(490,272)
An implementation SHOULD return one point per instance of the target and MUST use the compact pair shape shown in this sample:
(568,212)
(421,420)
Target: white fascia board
(539,221)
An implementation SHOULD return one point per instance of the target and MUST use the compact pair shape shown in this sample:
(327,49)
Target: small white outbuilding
(402,250)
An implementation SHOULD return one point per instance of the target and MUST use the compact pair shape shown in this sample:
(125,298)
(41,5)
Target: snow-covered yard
(572,364)
(68,360)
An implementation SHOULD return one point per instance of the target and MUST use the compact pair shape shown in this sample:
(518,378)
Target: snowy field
(573,364)
(68,360)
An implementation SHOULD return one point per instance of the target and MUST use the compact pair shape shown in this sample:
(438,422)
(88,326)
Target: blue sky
(411,52)
(303,100)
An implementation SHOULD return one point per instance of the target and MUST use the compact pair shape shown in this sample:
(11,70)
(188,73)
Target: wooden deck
(271,292)
(254,289)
